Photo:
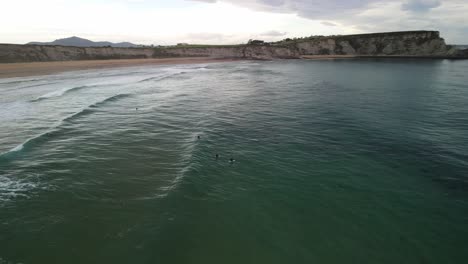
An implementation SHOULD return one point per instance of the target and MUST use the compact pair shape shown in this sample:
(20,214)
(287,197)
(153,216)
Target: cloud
(273,33)
(420,5)
(313,9)
(329,24)
(205,1)
(203,37)
(447,16)
(226,21)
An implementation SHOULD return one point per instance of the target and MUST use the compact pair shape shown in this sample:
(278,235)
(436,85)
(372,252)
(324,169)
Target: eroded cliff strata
(409,43)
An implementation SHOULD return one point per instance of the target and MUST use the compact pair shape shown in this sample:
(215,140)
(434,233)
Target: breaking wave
(9,82)
(14,188)
(46,135)
(61,92)
(173,74)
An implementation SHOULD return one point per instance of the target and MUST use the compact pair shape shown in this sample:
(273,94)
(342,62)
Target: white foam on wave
(12,188)
(193,69)
(18,80)
(164,191)
(15,188)
(21,146)
(17,148)
(157,78)
(173,72)
(52,94)
(61,92)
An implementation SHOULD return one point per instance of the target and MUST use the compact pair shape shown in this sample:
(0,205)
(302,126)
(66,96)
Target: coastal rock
(37,53)
(268,52)
(346,48)
(419,43)
(410,43)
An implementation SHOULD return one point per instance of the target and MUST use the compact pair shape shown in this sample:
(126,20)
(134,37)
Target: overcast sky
(224,21)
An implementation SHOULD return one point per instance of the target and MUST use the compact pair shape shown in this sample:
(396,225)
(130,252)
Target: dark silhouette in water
(198,137)
(231,160)
(217,156)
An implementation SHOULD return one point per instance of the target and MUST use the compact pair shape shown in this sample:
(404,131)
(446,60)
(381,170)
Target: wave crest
(46,135)
(61,92)
(174,73)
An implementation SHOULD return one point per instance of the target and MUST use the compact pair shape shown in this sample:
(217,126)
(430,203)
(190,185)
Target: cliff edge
(410,43)
(401,44)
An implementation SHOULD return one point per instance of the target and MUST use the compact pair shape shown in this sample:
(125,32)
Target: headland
(22,60)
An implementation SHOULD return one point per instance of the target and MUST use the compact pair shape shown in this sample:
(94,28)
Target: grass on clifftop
(163,51)
(292,41)
(200,46)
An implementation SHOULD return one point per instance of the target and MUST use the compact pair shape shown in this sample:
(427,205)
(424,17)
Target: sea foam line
(61,92)
(174,73)
(13,188)
(69,118)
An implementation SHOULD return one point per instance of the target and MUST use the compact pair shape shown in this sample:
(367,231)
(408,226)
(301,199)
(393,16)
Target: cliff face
(411,43)
(243,52)
(32,53)
(462,53)
(417,43)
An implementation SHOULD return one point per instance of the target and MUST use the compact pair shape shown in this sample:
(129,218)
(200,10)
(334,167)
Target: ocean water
(338,161)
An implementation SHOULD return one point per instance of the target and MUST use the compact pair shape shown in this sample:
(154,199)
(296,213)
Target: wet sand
(321,57)
(332,57)
(8,70)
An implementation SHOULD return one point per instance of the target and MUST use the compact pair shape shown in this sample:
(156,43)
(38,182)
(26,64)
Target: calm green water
(346,161)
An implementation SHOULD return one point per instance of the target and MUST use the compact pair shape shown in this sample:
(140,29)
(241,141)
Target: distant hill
(81,42)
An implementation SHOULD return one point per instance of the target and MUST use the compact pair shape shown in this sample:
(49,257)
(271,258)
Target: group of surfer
(217,156)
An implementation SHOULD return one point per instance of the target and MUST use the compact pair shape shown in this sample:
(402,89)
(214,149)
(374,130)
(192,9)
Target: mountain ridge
(82,42)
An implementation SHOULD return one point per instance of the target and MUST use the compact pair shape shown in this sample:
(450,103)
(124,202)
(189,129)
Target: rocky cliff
(33,53)
(410,43)
(241,51)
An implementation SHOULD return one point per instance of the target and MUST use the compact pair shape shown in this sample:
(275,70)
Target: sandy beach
(8,70)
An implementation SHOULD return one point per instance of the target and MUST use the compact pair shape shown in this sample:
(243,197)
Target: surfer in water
(217,156)
(198,137)
(231,160)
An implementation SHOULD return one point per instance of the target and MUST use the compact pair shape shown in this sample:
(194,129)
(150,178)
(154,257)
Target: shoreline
(331,57)
(27,69)
(327,57)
